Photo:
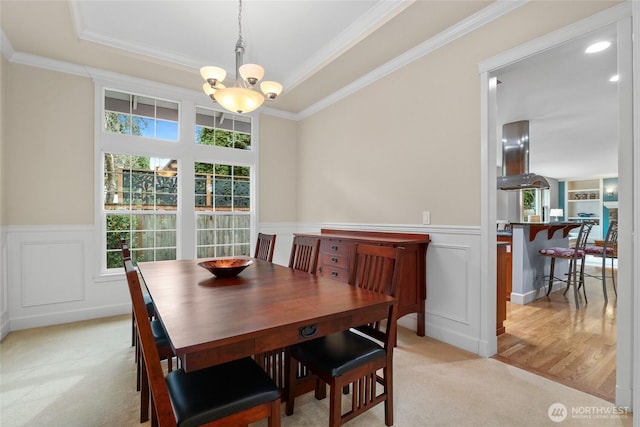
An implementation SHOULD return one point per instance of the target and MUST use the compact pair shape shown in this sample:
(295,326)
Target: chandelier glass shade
(241,97)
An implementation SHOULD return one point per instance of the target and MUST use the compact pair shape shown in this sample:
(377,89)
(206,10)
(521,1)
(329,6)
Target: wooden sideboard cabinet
(336,258)
(507,266)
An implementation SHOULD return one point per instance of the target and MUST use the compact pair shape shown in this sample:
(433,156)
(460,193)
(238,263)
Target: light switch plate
(426,218)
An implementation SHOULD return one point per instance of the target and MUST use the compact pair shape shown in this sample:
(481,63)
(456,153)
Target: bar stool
(609,250)
(573,255)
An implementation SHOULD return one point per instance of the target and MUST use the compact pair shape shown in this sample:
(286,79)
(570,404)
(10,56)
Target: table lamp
(555,213)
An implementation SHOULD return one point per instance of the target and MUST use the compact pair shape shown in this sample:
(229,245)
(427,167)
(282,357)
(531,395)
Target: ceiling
(571,106)
(317,47)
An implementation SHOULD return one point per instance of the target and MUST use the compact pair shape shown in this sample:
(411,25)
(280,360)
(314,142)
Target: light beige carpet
(83,375)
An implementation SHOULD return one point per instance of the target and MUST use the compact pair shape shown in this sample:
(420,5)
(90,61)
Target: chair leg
(335,406)
(552,271)
(388,403)
(154,414)
(291,368)
(568,277)
(274,418)
(584,287)
(572,280)
(133,329)
(144,393)
(321,389)
(138,370)
(613,278)
(604,276)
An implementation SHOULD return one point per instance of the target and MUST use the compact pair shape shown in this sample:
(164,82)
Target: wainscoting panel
(43,290)
(51,278)
(4,285)
(50,273)
(448,302)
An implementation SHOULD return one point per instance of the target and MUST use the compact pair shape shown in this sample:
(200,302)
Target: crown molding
(462,28)
(577,29)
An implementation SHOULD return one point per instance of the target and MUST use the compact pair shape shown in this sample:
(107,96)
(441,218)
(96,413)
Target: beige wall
(3,97)
(277,182)
(403,145)
(49,148)
(49,152)
(411,142)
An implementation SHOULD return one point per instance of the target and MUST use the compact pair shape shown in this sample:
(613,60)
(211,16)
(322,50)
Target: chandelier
(241,97)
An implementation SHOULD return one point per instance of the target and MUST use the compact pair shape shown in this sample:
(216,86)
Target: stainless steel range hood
(515,159)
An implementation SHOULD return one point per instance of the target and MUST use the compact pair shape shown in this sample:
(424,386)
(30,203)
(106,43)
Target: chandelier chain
(241,97)
(240,40)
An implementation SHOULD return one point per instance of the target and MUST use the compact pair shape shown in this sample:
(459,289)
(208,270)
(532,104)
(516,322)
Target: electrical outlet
(426,217)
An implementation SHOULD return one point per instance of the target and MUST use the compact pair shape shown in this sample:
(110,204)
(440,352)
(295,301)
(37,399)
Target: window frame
(185,150)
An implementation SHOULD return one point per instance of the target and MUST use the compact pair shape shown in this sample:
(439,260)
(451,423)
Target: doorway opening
(617,322)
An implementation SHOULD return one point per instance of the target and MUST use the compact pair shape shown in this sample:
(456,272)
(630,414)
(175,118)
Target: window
(130,114)
(223,129)
(172,193)
(140,200)
(223,204)
(535,201)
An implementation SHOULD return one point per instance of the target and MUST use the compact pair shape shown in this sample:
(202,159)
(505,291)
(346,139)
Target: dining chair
(126,253)
(231,394)
(608,250)
(304,253)
(160,337)
(265,247)
(575,255)
(352,360)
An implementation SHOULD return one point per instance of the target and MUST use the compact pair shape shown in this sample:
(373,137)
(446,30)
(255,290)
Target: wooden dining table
(212,320)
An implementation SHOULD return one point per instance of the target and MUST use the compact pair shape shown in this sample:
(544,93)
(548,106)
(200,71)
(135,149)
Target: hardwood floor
(551,338)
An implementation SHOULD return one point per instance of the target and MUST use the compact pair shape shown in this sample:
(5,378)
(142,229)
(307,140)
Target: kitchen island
(529,268)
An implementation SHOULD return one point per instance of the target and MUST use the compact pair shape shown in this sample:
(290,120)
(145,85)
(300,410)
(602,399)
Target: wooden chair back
(162,402)
(265,247)
(377,268)
(126,253)
(304,253)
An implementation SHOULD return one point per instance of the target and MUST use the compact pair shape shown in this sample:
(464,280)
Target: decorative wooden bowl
(226,267)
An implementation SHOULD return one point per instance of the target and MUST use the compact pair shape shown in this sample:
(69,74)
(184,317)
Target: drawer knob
(334,259)
(308,331)
(334,248)
(334,273)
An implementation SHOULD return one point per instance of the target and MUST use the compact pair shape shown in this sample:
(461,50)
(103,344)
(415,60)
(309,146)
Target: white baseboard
(47,319)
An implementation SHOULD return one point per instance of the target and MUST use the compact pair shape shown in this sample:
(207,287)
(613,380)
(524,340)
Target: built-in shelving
(584,203)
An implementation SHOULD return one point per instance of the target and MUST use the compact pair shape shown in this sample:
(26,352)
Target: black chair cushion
(159,334)
(213,393)
(148,302)
(338,353)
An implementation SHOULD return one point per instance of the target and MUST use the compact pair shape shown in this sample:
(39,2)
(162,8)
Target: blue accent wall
(608,184)
(561,185)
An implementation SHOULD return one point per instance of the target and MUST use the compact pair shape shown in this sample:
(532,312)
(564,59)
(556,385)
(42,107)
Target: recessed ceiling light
(598,47)
(614,78)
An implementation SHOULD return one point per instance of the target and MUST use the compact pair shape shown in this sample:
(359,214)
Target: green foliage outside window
(224,138)
(529,199)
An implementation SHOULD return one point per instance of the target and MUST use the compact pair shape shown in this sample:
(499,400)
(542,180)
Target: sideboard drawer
(335,247)
(334,261)
(341,274)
